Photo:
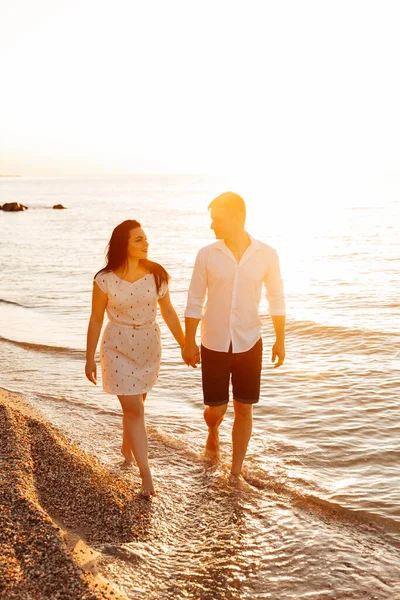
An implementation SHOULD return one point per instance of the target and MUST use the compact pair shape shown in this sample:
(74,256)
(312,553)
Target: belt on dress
(134,325)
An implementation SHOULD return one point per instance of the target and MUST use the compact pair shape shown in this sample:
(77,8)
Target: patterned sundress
(130,349)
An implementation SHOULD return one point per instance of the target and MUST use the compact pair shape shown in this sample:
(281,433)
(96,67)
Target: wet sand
(74,528)
(55,502)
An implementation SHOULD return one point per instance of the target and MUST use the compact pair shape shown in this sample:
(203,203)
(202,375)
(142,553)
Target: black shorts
(245,368)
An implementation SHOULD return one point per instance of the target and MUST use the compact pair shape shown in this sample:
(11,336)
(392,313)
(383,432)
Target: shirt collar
(250,250)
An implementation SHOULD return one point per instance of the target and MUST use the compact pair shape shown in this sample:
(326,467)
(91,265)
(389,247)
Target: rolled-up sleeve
(198,288)
(274,286)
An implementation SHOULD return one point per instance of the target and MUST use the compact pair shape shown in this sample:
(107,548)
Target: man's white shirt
(225,294)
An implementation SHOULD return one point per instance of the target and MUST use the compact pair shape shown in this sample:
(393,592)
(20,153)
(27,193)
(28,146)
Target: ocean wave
(325,508)
(47,349)
(318,330)
(292,488)
(71,401)
(3,301)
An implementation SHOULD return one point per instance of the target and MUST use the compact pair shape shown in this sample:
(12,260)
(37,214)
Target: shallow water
(319,514)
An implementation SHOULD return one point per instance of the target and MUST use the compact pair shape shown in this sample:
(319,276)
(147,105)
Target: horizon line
(87,175)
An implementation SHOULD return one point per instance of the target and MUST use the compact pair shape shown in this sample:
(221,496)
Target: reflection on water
(319,514)
(208,539)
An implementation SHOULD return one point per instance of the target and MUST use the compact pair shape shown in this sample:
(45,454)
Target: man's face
(223,223)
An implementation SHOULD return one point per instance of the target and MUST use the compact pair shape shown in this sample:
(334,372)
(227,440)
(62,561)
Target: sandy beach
(55,502)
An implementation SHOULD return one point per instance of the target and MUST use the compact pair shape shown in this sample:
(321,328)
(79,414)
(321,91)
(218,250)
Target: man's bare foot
(236,481)
(212,444)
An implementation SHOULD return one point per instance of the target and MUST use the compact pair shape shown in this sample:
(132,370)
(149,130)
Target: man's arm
(276,302)
(278,349)
(190,351)
(194,310)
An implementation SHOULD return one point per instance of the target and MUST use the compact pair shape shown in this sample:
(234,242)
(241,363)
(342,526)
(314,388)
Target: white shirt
(231,313)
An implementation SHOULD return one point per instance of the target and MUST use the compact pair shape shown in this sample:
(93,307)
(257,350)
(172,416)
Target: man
(230,272)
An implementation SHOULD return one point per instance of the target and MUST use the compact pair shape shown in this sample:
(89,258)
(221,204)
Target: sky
(298,93)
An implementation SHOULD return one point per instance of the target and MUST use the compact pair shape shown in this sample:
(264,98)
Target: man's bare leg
(213,416)
(241,434)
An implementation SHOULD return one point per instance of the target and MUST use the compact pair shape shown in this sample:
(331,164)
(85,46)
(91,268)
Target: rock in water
(13,207)
(59,206)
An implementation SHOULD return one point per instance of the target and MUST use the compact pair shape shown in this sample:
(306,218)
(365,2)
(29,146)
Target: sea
(318,513)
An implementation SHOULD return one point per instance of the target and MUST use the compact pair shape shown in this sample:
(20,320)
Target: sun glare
(275,99)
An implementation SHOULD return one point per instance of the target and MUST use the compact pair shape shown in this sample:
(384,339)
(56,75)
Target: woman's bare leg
(135,432)
(126,449)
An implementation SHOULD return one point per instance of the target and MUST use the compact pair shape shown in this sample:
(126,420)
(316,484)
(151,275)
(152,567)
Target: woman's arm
(171,319)
(99,303)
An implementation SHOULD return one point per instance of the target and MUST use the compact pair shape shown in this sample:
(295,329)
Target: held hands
(191,354)
(91,371)
(278,352)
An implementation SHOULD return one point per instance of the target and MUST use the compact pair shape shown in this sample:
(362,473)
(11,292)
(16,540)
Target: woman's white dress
(130,349)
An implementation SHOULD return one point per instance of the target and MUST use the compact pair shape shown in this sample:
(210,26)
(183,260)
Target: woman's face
(137,243)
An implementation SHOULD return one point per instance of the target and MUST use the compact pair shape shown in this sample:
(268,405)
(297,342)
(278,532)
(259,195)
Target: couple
(230,273)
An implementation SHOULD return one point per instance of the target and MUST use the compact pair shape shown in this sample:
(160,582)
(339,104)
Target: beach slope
(55,502)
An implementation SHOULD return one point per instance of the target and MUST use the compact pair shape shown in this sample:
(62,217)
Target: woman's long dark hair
(117,254)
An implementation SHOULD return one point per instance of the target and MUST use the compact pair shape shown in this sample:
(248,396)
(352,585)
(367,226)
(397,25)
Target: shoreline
(57,504)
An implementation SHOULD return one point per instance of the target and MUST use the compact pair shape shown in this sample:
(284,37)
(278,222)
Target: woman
(128,288)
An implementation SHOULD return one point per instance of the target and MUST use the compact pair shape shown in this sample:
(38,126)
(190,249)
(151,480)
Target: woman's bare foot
(212,444)
(146,493)
(147,488)
(128,455)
